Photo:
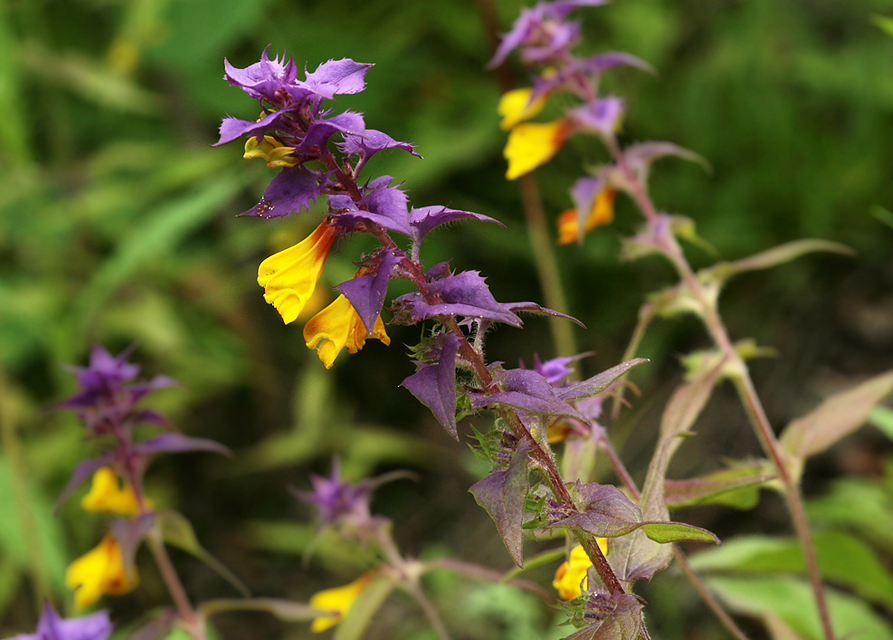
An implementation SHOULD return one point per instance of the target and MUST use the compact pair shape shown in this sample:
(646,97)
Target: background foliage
(118,227)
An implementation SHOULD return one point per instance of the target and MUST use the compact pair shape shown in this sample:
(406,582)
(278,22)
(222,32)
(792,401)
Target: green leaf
(286,610)
(666,532)
(502,494)
(177,531)
(884,23)
(873,518)
(843,559)
(738,487)
(882,418)
(792,600)
(838,416)
(366,605)
(722,271)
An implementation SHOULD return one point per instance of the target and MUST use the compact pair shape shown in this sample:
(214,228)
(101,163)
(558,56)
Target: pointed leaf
(286,610)
(666,532)
(177,531)
(738,487)
(838,416)
(597,383)
(434,385)
(773,257)
(502,495)
(624,622)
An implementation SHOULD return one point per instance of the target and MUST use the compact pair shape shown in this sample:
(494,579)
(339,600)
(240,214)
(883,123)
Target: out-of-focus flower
(338,326)
(107,494)
(601,213)
(100,572)
(532,144)
(289,277)
(106,398)
(515,106)
(337,602)
(570,577)
(51,626)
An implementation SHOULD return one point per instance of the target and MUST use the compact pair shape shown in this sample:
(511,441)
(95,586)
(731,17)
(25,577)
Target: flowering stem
(544,260)
(743,384)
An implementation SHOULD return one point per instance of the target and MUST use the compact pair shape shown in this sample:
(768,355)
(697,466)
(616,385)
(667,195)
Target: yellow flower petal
(338,601)
(515,107)
(338,326)
(290,276)
(532,144)
(100,572)
(602,213)
(571,575)
(271,150)
(107,495)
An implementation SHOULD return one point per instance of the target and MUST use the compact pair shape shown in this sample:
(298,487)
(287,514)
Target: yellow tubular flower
(289,277)
(337,601)
(602,213)
(515,107)
(100,572)
(339,326)
(571,575)
(271,150)
(106,494)
(532,144)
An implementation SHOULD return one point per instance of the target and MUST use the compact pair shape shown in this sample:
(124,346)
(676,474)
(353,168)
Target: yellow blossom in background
(571,575)
(290,276)
(108,495)
(338,326)
(532,144)
(337,601)
(602,213)
(271,150)
(100,572)
(515,107)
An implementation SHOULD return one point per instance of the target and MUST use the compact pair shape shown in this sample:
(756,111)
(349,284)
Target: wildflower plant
(538,429)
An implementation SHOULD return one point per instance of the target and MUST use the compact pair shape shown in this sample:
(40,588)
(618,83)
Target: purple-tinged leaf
(84,470)
(604,511)
(319,132)
(384,205)
(528,391)
(177,443)
(641,155)
(502,495)
(338,76)
(293,189)
(838,416)
(601,62)
(738,487)
(262,79)
(624,620)
(635,556)
(129,534)
(434,385)
(425,219)
(371,142)
(52,626)
(176,530)
(367,293)
(464,294)
(535,309)
(601,116)
(597,383)
(234,128)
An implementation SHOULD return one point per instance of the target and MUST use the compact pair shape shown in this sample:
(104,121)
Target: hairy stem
(192,622)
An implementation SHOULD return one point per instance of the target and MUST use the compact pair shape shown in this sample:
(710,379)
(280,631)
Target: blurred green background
(118,227)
